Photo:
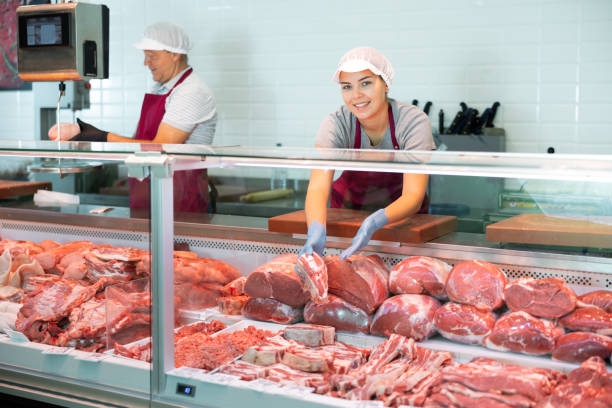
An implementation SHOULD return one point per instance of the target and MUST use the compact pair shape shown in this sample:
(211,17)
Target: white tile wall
(269,63)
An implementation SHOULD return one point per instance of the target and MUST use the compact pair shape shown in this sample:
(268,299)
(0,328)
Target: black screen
(43,30)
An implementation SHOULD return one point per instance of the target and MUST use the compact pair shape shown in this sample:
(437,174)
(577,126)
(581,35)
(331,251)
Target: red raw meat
(409,315)
(236,287)
(282,374)
(338,313)
(271,310)
(346,357)
(276,279)
(419,275)
(232,305)
(311,360)
(358,280)
(599,298)
(520,332)
(311,335)
(192,296)
(591,319)
(265,354)
(204,270)
(476,283)
(120,271)
(463,323)
(11,294)
(548,298)
(313,273)
(576,347)
(245,371)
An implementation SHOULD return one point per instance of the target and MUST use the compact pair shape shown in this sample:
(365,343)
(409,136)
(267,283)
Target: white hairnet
(362,58)
(165,36)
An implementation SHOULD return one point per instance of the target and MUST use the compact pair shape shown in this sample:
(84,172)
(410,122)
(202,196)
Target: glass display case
(136,317)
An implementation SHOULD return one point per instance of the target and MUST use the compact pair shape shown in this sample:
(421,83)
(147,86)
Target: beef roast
(591,319)
(271,310)
(549,298)
(409,315)
(598,298)
(358,280)
(419,274)
(338,313)
(312,272)
(463,323)
(578,346)
(522,333)
(476,283)
(276,279)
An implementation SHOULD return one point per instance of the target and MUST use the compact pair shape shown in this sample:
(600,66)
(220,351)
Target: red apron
(190,186)
(370,189)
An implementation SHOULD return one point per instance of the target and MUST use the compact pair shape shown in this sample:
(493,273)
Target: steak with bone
(592,319)
(338,313)
(231,305)
(576,347)
(463,323)
(476,283)
(409,315)
(311,335)
(244,370)
(419,275)
(522,333)
(311,360)
(549,298)
(598,298)
(312,272)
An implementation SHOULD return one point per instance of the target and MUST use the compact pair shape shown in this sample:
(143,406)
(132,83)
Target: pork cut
(271,310)
(244,370)
(204,270)
(598,298)
(522,333)
(408,315)
(419,275)
(311,360)
(276,279)
(236,287)
(476,283)
(283,374)
(358,279)
(338,313)
(192,296)
(231,305)
(576,347)
(591,319)
(311,335)
(463,323)
(312,272)
(549,298)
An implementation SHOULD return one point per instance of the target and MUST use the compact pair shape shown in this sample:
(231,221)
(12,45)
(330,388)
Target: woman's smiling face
(364,93)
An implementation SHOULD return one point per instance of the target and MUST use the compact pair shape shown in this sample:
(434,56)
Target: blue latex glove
(368,227)
(316,239)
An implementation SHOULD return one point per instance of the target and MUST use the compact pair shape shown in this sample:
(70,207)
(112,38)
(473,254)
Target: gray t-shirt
(412,130)
(190,107)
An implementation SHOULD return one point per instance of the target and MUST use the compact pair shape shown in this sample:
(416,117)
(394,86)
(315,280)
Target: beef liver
(271,310)
(338,313)
(419,274)
(599,298)
(276,279)
(463,323)
(591,319)
(576,347)
(476,283)
(408,315)
(358,280)
(522,333)
(549,298)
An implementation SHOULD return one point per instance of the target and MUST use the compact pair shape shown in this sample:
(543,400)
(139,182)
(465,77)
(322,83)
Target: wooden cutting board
(546,230)
(345,223)
(10,189)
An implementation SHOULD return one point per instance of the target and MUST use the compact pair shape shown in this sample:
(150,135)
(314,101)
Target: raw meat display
(592,319)
(271,310)
(338,313)
(268,353)
(307,359)
(232,305)
(312,272)
(576,347)
(277,279)
(244,370)
(191,296)
(236,287)
(419,275)
(598,298)
(588,386)
(476,283)
(312,335)
(548,298)
(283,374)
(359,280)
(204,270)
(409,315)
(520,332)
(463,323)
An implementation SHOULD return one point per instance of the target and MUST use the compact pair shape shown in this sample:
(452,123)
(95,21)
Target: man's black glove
(89,133)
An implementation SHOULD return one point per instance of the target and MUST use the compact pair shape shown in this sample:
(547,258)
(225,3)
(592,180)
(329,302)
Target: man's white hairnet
(362,58)
(165,36)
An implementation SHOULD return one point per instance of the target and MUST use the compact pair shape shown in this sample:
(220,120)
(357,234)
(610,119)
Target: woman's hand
(67,131)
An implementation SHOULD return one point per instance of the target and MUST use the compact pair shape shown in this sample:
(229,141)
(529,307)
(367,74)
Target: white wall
(269,63)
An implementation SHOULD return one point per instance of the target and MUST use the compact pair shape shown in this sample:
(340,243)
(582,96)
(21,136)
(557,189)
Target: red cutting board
(546,230)
(10,189)
(345,223)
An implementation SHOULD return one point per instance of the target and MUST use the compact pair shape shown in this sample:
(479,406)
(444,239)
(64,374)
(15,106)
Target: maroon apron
(370,189)
(190,186)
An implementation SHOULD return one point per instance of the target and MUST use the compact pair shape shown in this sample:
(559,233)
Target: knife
(492,115)
(464,107)
(426,108)
(441,122)
(471,118)
(461,126)
(453,126)
(415,102)
(482,120)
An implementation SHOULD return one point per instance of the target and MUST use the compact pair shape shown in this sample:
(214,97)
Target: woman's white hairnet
(362,58)
(165,36)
